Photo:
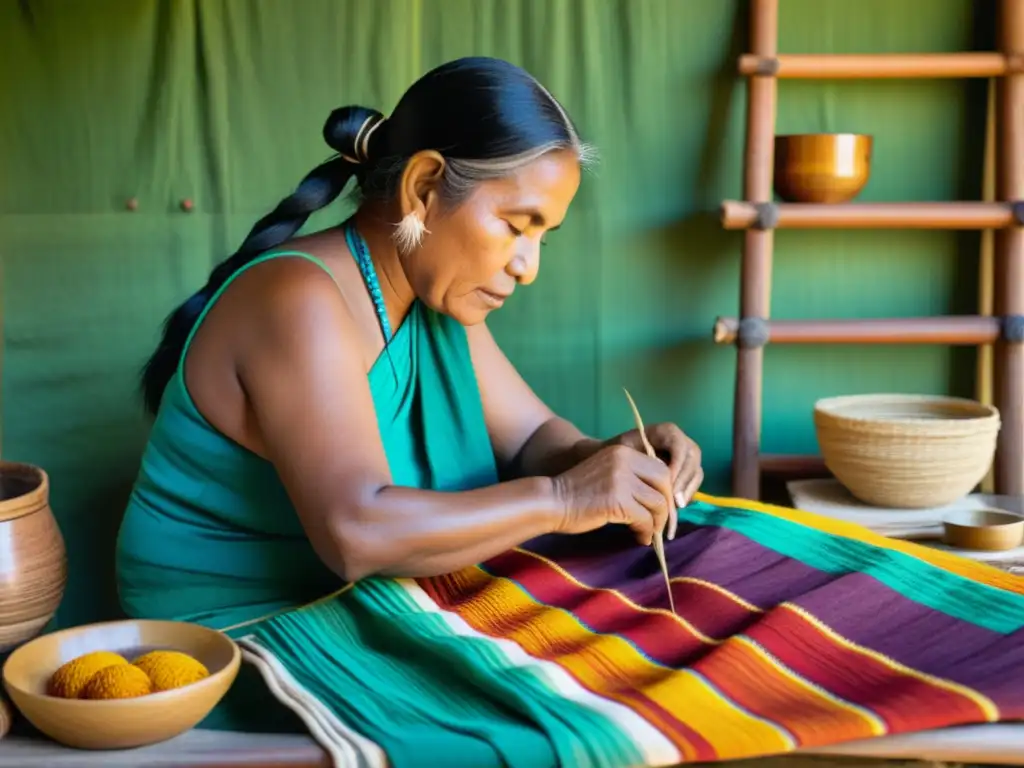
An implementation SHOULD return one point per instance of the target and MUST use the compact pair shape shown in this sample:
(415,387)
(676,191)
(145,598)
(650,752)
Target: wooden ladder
(759,216)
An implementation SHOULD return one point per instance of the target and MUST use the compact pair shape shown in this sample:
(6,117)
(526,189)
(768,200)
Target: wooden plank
(965,330)
(986,266)
(794,466)
(1008,394)
(756,268)
(737,214)
(193,749)
(989,744)
(871,66)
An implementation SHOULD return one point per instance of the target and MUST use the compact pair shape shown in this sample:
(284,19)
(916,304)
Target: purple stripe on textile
(856,606)
(866,612)
(726,558)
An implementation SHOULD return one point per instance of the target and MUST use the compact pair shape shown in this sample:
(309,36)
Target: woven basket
(906,451)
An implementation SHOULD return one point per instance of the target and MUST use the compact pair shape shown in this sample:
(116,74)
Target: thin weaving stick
(659,544)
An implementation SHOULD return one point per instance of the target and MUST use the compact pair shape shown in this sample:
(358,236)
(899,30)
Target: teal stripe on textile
(403,678)
(954,595)
(582,736)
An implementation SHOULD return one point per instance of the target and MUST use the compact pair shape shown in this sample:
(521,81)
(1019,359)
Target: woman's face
(477,253)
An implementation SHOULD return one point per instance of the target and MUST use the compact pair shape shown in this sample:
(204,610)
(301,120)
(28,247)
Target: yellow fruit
(170,669)
(123,681)
(69,680)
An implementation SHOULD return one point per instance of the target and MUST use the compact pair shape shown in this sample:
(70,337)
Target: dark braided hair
(487,117)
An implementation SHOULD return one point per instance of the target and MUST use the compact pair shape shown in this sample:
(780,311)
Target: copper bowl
(120,723)
(821,167)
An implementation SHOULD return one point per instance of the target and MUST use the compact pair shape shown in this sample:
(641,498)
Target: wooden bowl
(821,167)
(985,529)
(120,723)
(906,451)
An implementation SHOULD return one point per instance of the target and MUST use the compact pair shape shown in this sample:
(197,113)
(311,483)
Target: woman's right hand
(617,485)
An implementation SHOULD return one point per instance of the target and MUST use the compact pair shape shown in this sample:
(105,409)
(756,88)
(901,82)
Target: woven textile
(792,631)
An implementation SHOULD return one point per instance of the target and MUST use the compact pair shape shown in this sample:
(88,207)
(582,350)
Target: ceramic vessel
(120,723)
(5,718)
(33,562)
(821,167)
(991,530)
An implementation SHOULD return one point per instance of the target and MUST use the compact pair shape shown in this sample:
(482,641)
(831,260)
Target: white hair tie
(362,140)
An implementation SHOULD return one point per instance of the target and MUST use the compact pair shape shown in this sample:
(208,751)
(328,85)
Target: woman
(332,407)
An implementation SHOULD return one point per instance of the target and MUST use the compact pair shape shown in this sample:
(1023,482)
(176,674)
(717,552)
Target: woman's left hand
(680,453)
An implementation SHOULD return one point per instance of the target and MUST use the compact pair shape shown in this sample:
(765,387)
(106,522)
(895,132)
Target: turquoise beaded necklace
(361,252)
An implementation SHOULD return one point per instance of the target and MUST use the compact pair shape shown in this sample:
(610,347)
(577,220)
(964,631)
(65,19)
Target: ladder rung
(737,214)
(793,466)
(892,65)
(960,330)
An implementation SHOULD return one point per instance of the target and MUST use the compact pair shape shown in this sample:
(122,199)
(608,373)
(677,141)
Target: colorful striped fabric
(793,631)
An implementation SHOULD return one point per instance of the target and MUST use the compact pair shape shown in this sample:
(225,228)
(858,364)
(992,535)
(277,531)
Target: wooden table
(998,744)
(195,749)
(983,744)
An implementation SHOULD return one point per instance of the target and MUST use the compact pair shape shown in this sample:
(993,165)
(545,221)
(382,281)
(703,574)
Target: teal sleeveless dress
(209,534)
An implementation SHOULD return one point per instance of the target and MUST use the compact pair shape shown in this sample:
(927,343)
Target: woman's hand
(680,453)
(616,485)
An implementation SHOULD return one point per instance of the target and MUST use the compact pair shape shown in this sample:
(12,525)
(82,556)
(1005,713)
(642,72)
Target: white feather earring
(408,234)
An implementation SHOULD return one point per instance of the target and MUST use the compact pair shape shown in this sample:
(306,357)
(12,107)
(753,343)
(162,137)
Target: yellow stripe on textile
(608,665)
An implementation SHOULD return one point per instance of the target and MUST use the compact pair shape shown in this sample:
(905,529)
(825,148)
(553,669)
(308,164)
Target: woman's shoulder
(291,295)
(306,273)
(315,259)
(283,302)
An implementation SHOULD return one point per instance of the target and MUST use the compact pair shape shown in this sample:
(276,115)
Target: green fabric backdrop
(222,102)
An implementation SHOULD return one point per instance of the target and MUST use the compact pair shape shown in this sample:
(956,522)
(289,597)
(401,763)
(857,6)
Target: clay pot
(33,561)
(5,718)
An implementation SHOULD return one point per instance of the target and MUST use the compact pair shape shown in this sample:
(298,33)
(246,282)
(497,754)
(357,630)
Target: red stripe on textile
(445,592)
(905,702)
(657,634)
(760,687)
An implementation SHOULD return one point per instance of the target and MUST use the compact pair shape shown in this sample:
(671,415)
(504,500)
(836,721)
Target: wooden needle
(659,544)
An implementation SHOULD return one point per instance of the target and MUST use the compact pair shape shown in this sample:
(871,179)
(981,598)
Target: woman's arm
(529,439)
(304,376)
(554,447)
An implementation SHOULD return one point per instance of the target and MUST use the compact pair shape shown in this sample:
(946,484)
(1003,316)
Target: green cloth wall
(222,102)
